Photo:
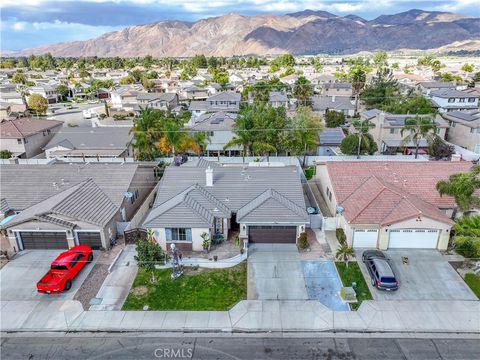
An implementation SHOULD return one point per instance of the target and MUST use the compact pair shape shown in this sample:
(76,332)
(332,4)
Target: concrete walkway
(250,316)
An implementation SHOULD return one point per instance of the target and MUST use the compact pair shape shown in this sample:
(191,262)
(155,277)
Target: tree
(467,236)
(263,148)
(304,129)
(303,91)
(439,149)
(5,154)
(349,145)
(19,78)
(410,104)
(38,103)
(382,90)
(418,128)
(149,254)
(462,187)
(334,119)
(358,77)
(344,253)
(62,91)
(146,132)
(380,59)
(129,79)
(221,78)
(243,131)
(201,139)
(362,128)
(467,67)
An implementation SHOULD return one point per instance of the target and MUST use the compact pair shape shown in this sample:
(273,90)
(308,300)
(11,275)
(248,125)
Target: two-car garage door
(272,234)
(413,239)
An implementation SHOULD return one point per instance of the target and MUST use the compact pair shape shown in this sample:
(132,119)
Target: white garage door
(413,239)
(365,238)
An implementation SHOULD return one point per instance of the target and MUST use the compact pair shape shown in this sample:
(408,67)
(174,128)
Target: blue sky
(31,23)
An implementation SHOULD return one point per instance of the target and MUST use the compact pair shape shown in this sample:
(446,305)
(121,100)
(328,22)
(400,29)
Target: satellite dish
(340,209)
(128,194)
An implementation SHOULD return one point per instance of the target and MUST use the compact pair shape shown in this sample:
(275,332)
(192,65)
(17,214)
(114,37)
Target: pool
(323,284)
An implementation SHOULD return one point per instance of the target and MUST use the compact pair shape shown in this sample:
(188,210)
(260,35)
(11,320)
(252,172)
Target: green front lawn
(473,282)
(351,274)
(202,289)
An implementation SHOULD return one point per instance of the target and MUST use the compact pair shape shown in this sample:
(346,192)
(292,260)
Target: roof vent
(209,176)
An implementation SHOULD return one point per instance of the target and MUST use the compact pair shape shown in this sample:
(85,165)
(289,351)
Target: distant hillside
(305,32)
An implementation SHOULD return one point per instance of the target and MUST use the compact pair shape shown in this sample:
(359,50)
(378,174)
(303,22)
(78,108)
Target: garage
(272,234)
(365,238)
(43,240)
(413,239)
(90,238)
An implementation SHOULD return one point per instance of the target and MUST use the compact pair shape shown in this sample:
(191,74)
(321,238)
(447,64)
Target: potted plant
(206,242)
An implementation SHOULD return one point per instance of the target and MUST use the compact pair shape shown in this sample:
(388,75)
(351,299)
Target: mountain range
(305,32)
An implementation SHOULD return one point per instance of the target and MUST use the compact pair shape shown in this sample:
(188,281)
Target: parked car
(381,273)
(64,269)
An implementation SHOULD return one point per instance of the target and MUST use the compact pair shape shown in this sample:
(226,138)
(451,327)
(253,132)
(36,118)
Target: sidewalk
(250,316)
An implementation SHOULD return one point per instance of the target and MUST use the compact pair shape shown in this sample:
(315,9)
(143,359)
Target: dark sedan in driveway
(381,273)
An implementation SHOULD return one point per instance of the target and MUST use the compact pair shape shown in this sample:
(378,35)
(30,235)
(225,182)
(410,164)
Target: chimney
(333,98)
(209,176)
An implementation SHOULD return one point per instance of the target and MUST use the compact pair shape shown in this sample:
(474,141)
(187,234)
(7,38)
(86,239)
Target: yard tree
(467,67)
(344,253)
(202,139)
(362,128)
(243,131)
(462,187)
(221,78)
(467,236)
(5,154)
(62,91)
(358,77)
(410,104)
(380,59)
(334,119)
(38,103)
(19,78)
(349,145)
(146,132)
(439,149)
(382,91)
(304,129)
(149,254)
(303,91)
(417,129)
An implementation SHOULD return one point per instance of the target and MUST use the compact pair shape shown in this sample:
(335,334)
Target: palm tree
(303,90)
(344,253)
(304,133)
(418,128)
(462,187)
(362,128)
(146,131)
(243,132)
(201,138)
(264,148)
(468,226)
(358,77)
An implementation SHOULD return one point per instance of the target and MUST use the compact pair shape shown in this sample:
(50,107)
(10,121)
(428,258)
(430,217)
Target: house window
(475,130)
(178,234)
(453,124)
(471,100)
(19,141)
(210,133)
(451,100)
(462,100)
(437,131)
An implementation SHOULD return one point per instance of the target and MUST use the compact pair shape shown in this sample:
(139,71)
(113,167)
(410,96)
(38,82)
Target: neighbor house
(278,99)
(390,204)
(426,87)
(61,205)
(337,89)
(205,199)
(329,140)
(91,143)
(49,92)
(224,101)
(341,104)
(464,129)
(447,100)
(159,101)
(387,132)
(26,137)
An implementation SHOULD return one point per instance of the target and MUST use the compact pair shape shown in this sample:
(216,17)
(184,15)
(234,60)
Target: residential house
(26,137)
(447,100)
(125,97)
(342,104)
(337,89)
(390,204)
(197,108)
(219,127)
(5,110)
(61,205)
(49,92)
(329,140)
(90,143)
(464,129)
(225,101)
(160,101)
(388,127)
(262,204)
(278,99)
(194,93)
(425,87)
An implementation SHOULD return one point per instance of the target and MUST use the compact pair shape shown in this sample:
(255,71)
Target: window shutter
(188,234)
(168,234)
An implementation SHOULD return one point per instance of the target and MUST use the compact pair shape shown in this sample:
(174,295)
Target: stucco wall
(460,135)
(197,241)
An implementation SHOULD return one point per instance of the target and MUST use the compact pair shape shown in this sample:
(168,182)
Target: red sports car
(64,269)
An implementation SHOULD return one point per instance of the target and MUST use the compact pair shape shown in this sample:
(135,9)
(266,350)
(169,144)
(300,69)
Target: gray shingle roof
(332,136)
(225,96)
(321,103)
(92,138)
(446,93)
(219,120)
(182,197)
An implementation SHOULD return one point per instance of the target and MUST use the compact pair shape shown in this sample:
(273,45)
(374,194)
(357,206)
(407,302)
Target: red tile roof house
(26,137)
(390,204)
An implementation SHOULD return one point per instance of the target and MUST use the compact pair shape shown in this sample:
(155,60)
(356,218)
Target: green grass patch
(473,282)
(202,289)
(351,274)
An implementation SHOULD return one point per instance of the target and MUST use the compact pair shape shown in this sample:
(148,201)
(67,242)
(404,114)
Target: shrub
(468,246)
(303,241)
(309,172)
(5,154)
(341,237)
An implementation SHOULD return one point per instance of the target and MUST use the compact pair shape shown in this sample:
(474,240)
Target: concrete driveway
(275,273)
(428,276)
(18,279)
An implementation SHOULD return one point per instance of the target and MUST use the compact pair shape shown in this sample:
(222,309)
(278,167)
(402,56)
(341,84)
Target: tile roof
(415,178)
(23,127)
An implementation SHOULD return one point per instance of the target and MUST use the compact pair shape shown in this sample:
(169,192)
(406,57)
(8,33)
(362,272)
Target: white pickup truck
(89,113)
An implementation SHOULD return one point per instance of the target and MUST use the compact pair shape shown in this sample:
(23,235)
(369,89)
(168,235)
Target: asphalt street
(121,346)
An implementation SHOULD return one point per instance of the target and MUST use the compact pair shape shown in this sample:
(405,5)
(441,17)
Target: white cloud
(19,26)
